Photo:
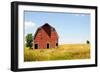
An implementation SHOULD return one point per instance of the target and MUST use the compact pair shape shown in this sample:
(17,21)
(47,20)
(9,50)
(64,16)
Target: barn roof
(47,28)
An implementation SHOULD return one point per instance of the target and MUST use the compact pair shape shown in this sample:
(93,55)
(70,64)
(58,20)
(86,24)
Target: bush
(29,40)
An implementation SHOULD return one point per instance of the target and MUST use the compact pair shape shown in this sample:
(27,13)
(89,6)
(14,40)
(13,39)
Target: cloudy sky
(71,27)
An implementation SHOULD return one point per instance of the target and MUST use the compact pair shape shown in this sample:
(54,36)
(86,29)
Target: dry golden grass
(63,52)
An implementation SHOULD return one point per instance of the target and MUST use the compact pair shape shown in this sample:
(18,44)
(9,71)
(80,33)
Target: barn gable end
(45,37)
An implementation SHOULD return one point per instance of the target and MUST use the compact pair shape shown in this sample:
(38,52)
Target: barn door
(56,44)
(36,46)
(47,45)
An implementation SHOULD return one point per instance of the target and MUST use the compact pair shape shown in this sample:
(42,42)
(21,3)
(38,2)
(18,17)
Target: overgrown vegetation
(63,52)
(29,39)
(88,42)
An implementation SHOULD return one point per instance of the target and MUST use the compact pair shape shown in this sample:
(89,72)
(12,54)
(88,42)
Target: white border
(22,64)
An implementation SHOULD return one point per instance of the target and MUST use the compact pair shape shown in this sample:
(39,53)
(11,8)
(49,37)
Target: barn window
(47,45)
(52,29)
(36,46)
(56,44)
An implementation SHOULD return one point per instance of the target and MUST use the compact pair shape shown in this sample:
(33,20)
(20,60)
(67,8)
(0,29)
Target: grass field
(63,52)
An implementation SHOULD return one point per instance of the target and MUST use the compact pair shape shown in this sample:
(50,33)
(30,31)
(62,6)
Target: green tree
(29,39)
(88,42)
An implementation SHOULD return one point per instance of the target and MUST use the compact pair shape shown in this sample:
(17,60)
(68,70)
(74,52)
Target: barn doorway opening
(56,44)
(47,45)
(36,46)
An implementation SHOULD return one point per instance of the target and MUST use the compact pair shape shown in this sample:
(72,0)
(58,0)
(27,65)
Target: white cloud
(29,24)
(79,14)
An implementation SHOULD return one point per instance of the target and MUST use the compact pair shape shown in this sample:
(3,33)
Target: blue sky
(71,27)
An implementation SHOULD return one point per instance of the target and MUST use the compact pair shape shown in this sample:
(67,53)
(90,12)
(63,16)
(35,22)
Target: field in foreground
(63,52)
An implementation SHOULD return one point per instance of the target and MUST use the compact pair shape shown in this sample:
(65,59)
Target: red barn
(45,37)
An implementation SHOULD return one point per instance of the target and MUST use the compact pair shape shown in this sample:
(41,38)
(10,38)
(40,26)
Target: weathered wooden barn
(45,37)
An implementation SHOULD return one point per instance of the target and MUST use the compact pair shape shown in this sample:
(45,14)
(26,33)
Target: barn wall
(41,39)
(54,39)
(46,36)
